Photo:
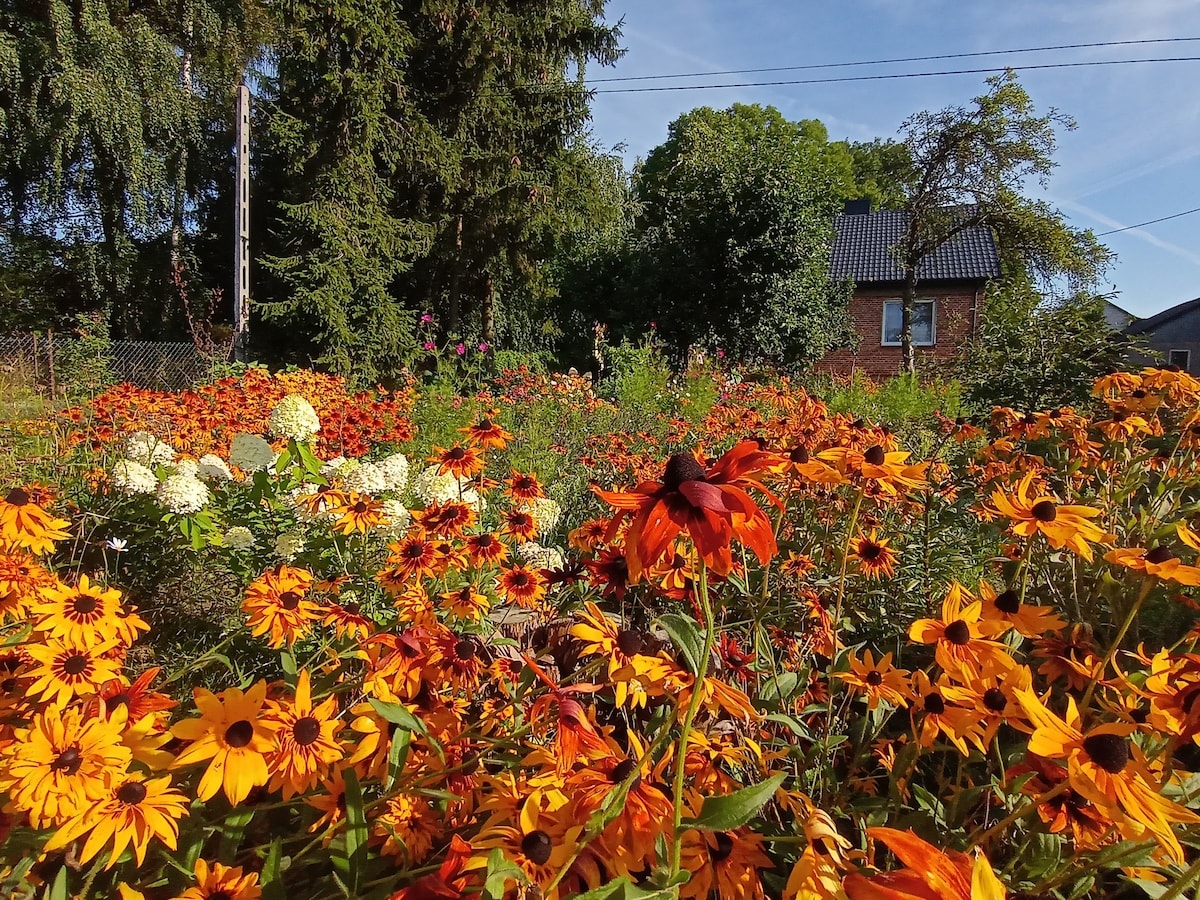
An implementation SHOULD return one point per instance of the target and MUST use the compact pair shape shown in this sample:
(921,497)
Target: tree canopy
(969,168)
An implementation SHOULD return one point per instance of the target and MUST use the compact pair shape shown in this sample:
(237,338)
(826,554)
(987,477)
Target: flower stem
(1021,812)
(690,716)
(836,627)
(1116,644)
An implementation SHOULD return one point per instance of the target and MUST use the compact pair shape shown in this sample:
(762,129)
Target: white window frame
(1187,355)
(884,342)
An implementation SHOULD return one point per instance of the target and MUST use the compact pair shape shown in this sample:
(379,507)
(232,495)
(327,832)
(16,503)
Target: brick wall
(955,317)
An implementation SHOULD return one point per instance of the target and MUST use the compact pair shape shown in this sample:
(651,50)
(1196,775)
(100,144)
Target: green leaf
(311,464)
(795,727)
(736,809)
(356,831)
(686,636)
(272,886)
(285,459)
(499,872)
(399,715)
(233,829)
(58,890)
(397,754)
(624,889)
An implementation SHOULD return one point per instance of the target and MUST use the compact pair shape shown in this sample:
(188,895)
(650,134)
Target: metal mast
(241,229)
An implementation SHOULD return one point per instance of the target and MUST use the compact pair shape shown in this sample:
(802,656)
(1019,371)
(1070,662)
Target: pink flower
(460,349)
(430,345)
(485,347)
(426,319)
(720,354)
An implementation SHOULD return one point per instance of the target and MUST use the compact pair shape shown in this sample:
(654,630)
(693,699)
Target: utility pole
(241,230)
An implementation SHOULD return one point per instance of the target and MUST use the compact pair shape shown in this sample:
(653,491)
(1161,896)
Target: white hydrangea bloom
(331,467)
(539,557)
(212,468)
(546,513)
(250,453)
(303,511)
(394,469)
(238,537)
(187,467)
(431,486)
(183,494)
(289,544)
(143,447)
(396,519)
(366,478)
(133,478)
(294,418)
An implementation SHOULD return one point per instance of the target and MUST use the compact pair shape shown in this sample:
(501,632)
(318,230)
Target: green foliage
(84,365)
(1032,354)
(730,246)
(901,403)
(398,196)
(971,165)
(99,127)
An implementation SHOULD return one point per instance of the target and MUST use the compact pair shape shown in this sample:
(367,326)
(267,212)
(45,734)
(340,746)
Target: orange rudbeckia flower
(711,505)
(1064,525)
(930,873)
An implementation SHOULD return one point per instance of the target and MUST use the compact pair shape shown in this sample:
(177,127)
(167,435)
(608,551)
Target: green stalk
(837,619)
(1116,644)
(690,716)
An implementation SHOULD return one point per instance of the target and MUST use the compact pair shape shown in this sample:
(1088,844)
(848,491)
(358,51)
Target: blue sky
(1135,155)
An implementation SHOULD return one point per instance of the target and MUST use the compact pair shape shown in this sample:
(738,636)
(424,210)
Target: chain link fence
(60,366)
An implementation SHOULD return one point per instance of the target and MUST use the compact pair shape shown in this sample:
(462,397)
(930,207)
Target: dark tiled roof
(1141,326)
(862,251)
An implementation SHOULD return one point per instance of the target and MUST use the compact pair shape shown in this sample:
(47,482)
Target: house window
(923,317)
(1181,358)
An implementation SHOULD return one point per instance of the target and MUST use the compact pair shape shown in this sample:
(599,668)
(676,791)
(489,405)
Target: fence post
(35,361)
(50,361)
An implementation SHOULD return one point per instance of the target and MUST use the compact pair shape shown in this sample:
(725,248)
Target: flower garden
(271,638)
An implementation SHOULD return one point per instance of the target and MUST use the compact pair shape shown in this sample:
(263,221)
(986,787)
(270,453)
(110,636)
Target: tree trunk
(487,311)
(454,315)
(907,352)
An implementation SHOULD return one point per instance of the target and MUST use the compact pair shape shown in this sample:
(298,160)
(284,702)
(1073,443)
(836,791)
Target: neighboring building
(1174,333)
(1118,319)
(950,286)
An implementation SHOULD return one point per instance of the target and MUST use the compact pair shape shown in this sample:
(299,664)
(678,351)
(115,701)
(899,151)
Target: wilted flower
(131,477)
(250,453)
(294,418)
(183,494)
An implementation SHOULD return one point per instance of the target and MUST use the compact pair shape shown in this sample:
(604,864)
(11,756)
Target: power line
(898,59)
(892,76)
(1187,212)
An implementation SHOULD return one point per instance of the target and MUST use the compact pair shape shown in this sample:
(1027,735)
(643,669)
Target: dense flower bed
(771,653)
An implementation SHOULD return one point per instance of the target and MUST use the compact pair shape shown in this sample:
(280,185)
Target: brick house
(950,286)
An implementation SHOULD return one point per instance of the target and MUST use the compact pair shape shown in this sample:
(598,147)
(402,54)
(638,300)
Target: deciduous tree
(970,169)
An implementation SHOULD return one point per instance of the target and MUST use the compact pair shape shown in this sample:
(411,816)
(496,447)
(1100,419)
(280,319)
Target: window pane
(922,323)
(892,313)
(1179,358)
